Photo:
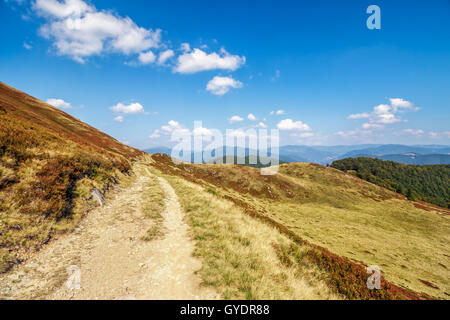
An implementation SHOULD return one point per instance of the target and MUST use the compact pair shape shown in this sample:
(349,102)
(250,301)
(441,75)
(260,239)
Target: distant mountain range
(416,154)
(413,158)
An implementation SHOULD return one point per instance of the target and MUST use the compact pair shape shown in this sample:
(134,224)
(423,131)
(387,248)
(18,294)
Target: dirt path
(111,260)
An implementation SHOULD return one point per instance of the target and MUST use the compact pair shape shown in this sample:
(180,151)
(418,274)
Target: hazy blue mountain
(391,149)
(419,154)
(207,156)
(418,159)
(318,154)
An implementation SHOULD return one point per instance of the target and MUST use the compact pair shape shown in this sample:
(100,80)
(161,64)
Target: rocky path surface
(106,258)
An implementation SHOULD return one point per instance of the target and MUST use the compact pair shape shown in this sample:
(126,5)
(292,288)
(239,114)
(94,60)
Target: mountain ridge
(50,164)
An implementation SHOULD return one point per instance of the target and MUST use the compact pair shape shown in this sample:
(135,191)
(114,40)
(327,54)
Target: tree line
(430,183)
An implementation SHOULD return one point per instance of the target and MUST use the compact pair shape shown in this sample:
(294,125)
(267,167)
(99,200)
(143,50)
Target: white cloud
(155,135)
(358,116)
(59,103)
(238,133)
(417,132)
(79,31)
(198,60)
(27,46)
(277,112)
(147,57)
(185,47)
(372,126)
(171,127)
(252,117)
(289,125)
(119,119)
(174,126)
(399,103)
(357,133)
(133,108)
(222,85)
(201,131)
(235,119)
(164,56)
(62,9)
(384,114)
(262,125)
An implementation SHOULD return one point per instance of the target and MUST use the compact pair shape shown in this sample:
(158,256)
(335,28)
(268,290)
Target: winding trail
(112,261)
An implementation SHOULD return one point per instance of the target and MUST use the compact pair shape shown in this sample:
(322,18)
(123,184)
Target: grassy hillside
(243,258)
(245,161)
(49,164)
(430,183)
(344,222)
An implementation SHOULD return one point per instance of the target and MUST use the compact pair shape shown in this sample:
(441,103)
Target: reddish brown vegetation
(44,152)
(431,207)
(429,284)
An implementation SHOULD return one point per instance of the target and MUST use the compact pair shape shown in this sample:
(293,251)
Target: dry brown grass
(350,217)
(49,164)
(244,258)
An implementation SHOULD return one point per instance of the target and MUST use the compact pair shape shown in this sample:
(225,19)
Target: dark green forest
(430,183)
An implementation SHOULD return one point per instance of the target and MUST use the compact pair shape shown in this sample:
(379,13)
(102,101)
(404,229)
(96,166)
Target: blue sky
(140,69)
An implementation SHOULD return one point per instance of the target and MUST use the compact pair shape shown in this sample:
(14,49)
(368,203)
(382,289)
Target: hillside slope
(347,221)
(430,183)
(49,164)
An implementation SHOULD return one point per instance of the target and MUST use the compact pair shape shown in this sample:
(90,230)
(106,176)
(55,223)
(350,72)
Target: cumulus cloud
(235,119)
(198,60)
(59,103)
(384,114)
(119,119)
(399,104)
(133,108)
(79,31)
(174,126)
(164,56)
(290,125)
(252,117)
(171,126)
(54,8)
(147,57)
(262,125)
(222,85)
(201,131)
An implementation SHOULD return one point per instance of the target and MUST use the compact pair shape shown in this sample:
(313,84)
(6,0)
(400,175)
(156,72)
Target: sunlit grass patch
(359,223)
(240,254)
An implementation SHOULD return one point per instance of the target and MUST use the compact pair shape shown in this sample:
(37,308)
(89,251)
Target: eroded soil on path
(109,256)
